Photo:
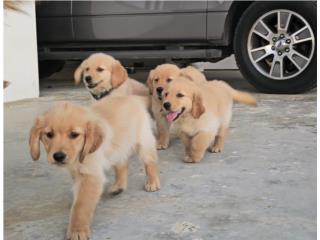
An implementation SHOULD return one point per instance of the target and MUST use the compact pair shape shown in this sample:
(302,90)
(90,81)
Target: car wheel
(275,46)
(47,68)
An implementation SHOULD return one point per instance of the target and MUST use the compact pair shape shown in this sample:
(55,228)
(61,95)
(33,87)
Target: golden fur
(93,140)
(12,5)
(202,112)
(5,83)
(160,77)
(108,76)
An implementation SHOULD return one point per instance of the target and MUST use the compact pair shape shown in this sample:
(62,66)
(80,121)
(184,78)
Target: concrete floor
(263,186)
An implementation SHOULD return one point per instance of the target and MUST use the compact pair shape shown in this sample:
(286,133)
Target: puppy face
(182,97)
(160,77)
(67,134)
(100,73)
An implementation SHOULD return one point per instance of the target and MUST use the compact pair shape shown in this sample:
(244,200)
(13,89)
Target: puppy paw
(188,159)
(79,234)
(152,186)
(215,149)
(116,189)
(162,146)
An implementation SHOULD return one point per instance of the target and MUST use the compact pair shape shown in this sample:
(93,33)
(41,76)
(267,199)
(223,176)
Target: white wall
(20,53)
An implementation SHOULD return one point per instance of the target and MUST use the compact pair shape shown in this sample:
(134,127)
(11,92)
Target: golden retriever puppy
(157,80)
(87,141)
(202,113)
(103,76)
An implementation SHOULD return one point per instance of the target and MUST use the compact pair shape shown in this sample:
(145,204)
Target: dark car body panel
(140,27)
(47,9)
(194,26)
(96,8)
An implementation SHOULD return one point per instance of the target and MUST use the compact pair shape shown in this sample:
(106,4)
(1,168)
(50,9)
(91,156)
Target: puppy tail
(239,96)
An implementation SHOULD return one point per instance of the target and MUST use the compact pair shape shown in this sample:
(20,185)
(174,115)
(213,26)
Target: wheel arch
(235,12)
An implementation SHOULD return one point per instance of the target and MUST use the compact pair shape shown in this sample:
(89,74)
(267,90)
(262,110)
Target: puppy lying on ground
(103,75)
(157,80)
(87,141)
(202,113)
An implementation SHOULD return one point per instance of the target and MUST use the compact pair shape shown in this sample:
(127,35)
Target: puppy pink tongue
(171,116)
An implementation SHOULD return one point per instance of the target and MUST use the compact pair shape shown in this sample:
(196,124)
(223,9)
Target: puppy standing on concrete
(157,80)
(87,141)
(103,76)
(202,113)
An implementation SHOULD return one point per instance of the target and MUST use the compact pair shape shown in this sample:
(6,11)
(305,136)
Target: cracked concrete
(263,186)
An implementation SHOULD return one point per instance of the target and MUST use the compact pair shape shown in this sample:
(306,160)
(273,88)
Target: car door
(139,20)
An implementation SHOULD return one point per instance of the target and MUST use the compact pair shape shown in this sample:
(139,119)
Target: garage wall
(20,53)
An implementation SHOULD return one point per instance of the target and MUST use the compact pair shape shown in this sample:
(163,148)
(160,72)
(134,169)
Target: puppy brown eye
(169,80)
(156,80)
(87,69)
(74,135)
(180,95)
(166,94)
(50,135)
(99,69)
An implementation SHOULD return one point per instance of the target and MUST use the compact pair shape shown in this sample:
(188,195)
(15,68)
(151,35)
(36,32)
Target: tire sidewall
(303,81)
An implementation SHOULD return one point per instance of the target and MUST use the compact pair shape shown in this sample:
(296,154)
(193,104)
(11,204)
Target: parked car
(274,42)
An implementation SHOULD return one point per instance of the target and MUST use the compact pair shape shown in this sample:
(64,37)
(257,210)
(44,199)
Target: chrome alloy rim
(281,44)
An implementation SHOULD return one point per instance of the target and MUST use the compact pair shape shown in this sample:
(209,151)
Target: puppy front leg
(163,133)
(199,145)
(153,181)
(88,190)
(120,184)
(186,141)
(218,144)
(149,157)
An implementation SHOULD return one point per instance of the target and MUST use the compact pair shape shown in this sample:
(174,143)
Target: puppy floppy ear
(92,140)
(197,106)
(118,74)
(150,82)
(78,73)
(193,74)
(34,138)
(187,72)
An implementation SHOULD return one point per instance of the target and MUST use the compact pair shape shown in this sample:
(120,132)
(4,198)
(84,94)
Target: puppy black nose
(167,106)
(88,79)
(159,90)
(59,157)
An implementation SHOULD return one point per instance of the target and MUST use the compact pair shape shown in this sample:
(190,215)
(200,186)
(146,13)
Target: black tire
(305,80)
(47,68)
